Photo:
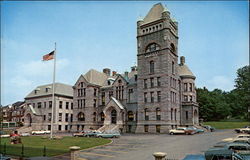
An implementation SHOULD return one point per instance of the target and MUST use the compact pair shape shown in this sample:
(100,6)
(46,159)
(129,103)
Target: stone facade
(157,95)
(38,112)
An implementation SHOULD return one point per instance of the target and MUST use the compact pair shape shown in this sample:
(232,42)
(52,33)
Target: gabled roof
(155,13)
(117,103)
(95,77)
(60,89)
(184,71)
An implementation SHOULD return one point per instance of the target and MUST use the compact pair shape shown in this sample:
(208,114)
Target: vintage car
(40,132)
(225,154)
(91,133)
(24,134)
(108,135)
(197,130)
(237,137)
(238,146)
(181,130)
(78,134)
(209,128)
(246,129)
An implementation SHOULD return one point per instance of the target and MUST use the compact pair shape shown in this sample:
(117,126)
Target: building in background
(38,109)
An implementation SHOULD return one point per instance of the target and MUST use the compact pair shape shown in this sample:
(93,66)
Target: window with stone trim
(171,114)
(49,117)
(60,104)
(186,115)
(145,97)
(94,116)
(185,98)
(190,87)
(158,81)
(67,105)
(130,116)
(152,97)
(152,47)
(103,98)
(146,114)
(158,96)
(66,117)
(50,104)
(152,82)
(185,87)
(145,128)
(175,114)
(158,128)
(39,105)
(60,117)
(158,114)
(151,67)
(44,104)
(173,68)
(172,48)
(102,116)
(145,84)
(81,116)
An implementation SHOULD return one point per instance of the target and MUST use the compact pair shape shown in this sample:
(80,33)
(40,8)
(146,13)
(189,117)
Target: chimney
(182,60)
(113,73)
(106,71)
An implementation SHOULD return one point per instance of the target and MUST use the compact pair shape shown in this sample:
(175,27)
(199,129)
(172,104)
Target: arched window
(171,113)
(146,114)
(130,116)
(151,67)
(158,114)
(152,47)
(81,116)
(172,48)
(102,116)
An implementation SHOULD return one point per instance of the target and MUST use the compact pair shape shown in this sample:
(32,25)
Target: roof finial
(140,18)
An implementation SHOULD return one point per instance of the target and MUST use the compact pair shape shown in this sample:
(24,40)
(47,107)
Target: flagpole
(53,95)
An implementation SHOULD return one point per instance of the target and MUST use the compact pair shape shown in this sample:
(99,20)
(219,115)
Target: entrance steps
(24,129)
(109,128)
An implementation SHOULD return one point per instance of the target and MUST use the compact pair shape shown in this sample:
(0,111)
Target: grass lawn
(227,125)
(34,145)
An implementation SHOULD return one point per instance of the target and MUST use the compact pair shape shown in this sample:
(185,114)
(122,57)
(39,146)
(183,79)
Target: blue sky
(213,36)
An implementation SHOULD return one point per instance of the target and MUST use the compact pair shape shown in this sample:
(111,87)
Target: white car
(5,136)
(40,132)
(25,134)
(240,136)
(179,130)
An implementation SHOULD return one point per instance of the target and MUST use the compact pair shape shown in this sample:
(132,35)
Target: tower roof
(155,13)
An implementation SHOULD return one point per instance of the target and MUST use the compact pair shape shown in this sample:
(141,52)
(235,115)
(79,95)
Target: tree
(242,84)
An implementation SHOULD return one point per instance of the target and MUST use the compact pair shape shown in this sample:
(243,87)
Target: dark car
(209,128)
(224,154)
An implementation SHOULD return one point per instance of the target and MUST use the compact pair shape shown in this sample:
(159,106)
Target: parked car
(40,132)
(108,135)
(237,137)
(209,128)
(238,146)
(78,134)
(224,154)
(25,134)
(179,130)
(197,130)
(91,133)
(246,129)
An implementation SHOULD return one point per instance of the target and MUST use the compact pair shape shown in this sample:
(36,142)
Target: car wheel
(171,133)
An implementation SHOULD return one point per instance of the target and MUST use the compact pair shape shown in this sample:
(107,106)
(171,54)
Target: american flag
(49,56)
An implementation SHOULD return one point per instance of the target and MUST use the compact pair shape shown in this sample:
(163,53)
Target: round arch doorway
(113,116)
(29,119)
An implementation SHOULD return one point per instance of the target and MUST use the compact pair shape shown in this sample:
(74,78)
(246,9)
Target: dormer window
(152,47)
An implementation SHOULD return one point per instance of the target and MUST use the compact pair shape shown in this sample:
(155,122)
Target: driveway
(141,146)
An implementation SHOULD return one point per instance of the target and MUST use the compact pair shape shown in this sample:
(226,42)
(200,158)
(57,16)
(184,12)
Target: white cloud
(220,82)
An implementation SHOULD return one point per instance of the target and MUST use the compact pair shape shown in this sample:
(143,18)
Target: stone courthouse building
(155,96)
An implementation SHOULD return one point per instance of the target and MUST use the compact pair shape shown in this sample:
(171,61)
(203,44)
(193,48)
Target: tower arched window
(81,116)
(151,66)
(94,116)
(152,47)
(175,114)
(172,48)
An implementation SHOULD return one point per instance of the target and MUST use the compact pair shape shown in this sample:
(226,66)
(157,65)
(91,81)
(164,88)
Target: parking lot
(141,146)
